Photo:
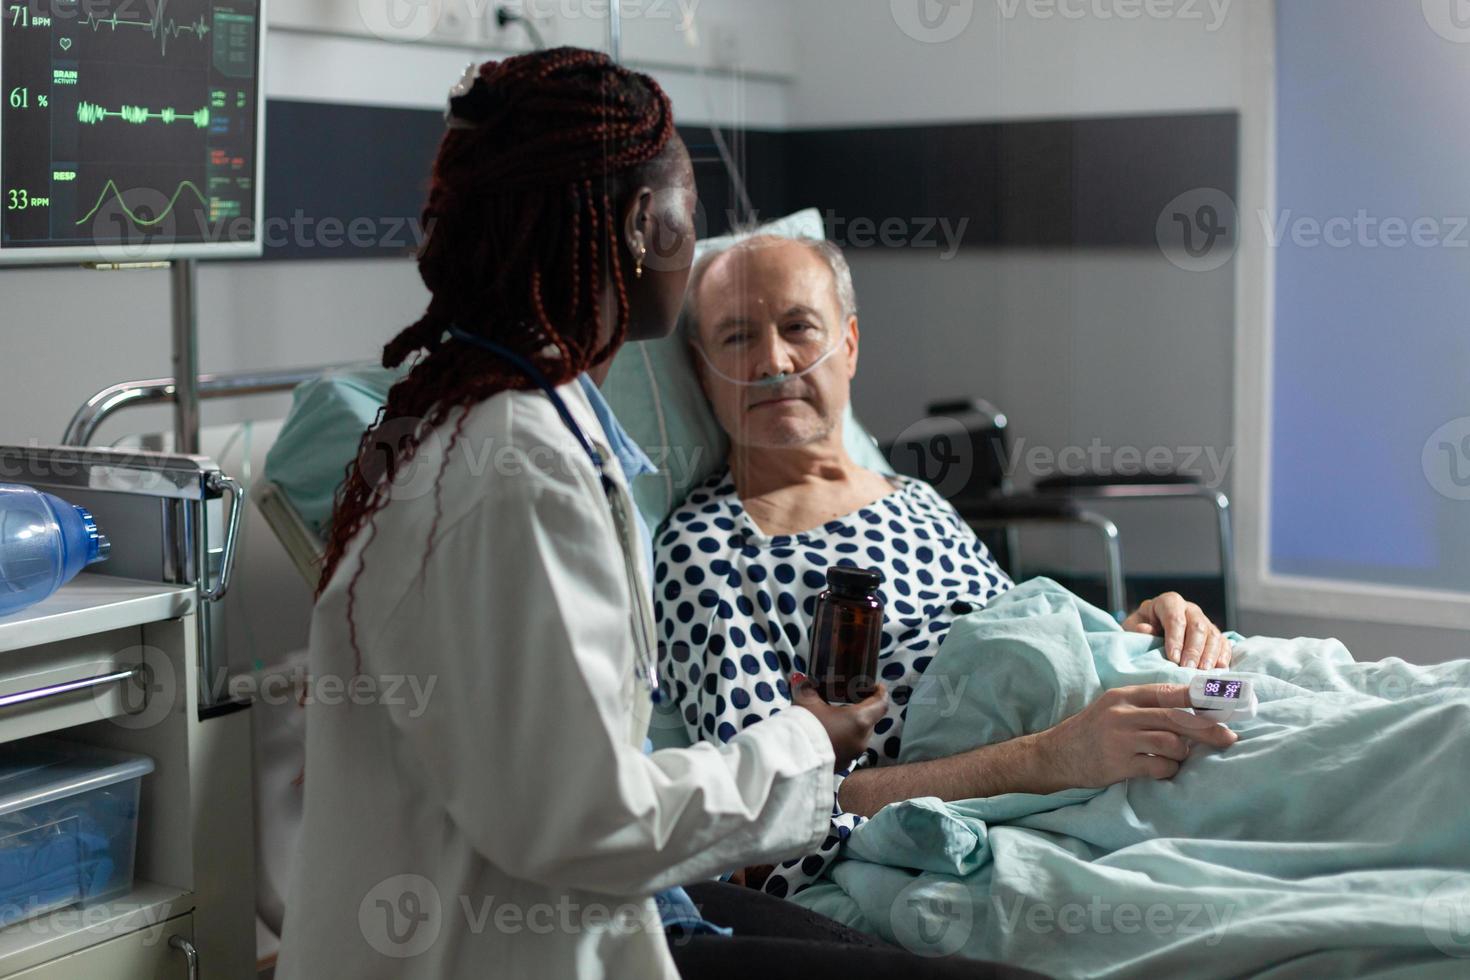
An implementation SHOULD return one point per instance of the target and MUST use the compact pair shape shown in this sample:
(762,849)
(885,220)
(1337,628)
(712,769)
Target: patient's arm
(991,770)
(1127,733)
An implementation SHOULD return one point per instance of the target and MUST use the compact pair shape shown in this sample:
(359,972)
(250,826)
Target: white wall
(873,61)
(70,332)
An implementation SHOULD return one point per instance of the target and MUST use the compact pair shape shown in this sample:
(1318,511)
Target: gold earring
(642,251)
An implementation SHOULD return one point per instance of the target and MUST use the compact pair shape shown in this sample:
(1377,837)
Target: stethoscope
(626,528)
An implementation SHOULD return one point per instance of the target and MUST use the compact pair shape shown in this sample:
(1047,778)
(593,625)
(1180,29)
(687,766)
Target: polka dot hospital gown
(735,608)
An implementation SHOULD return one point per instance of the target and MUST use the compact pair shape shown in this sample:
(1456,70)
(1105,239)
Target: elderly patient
(739,565)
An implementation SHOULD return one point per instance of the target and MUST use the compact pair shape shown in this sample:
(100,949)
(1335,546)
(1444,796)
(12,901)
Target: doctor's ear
(639,227)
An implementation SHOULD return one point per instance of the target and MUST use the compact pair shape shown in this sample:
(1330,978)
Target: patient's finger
(1189,725)
(1169,609)
(1222,650)
(1153,767)
(1211,652)
(1157,695)
(1228,657)
(1165,744)
(1198,637)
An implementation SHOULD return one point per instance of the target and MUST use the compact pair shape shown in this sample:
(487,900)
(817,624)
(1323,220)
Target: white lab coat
(508,824)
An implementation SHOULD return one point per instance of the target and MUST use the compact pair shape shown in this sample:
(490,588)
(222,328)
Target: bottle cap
(853,582)
(98,545)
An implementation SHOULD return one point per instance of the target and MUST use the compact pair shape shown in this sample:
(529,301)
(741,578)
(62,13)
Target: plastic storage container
(44,543)
(68,825)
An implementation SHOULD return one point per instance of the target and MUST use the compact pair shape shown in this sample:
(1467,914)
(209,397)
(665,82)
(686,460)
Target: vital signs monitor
(130,130)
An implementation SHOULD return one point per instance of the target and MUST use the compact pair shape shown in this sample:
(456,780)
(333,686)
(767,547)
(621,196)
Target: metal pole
(615,30)
(182,275)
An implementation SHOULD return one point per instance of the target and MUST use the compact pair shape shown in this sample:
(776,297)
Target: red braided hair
(523,235)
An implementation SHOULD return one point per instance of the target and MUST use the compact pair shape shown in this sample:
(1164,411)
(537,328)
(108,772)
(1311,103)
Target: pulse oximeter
(1220,698)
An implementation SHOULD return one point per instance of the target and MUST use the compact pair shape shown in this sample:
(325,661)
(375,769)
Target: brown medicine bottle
(846,633)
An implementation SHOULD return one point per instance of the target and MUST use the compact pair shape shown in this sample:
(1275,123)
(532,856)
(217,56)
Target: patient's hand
(1190,639)
(1128,733)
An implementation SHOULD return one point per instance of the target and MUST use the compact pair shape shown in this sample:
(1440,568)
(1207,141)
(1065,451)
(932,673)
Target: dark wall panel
(1086,183)
(331,165)
(762,160)
(1057,183)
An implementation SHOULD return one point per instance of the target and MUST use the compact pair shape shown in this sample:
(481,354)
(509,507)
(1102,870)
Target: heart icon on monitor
(66,44)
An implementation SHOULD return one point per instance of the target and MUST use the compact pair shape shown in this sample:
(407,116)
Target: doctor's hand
(1127,733)
(1190,639)
(849,726)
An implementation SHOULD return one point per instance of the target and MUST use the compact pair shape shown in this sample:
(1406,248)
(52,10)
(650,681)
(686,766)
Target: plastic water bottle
(44,543)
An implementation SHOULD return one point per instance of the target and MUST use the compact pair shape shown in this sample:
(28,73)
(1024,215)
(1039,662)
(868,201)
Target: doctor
(506,822)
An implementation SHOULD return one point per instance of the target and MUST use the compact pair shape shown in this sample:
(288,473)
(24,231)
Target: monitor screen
(1215,688)
(130,130)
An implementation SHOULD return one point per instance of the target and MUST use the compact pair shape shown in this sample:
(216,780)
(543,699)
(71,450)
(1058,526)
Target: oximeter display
(1222,698)
(1215,688)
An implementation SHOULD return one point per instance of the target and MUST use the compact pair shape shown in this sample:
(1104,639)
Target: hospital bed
(262,629)
(263,624)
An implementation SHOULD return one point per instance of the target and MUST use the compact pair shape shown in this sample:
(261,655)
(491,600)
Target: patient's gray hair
(829,252)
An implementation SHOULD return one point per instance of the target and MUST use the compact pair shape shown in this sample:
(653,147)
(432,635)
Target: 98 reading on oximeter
(1222,689)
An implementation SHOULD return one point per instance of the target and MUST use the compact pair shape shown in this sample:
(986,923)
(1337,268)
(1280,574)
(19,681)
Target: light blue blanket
(1333,839)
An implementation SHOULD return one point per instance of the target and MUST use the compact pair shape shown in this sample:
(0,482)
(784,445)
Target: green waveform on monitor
(90,115)
(143,222)
(161,29)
